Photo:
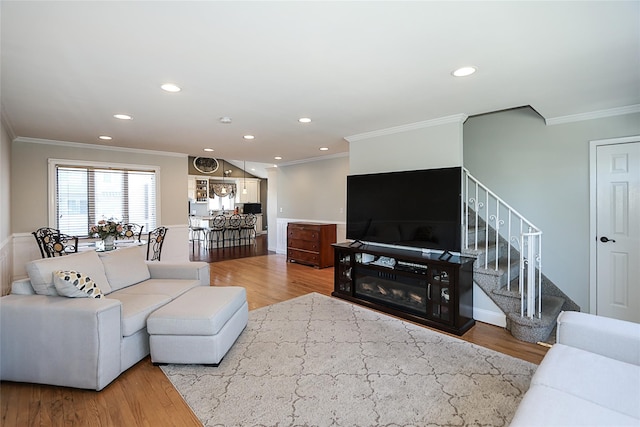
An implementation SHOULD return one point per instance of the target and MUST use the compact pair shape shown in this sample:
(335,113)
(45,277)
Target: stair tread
(551,307)
(503,263)
(492,280)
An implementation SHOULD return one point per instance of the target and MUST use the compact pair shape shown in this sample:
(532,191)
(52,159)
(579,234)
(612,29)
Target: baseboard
(490,317)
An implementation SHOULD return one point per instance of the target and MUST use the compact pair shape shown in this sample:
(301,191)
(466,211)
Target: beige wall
(314,190)
(5,182)
(432,144)
(310,191)
(543,172)
(29,204)
(29,192)
(6,242)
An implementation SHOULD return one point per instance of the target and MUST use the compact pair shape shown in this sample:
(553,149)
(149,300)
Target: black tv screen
(254,208)
(420,209)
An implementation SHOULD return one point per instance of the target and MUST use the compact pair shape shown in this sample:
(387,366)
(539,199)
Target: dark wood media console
(433,289)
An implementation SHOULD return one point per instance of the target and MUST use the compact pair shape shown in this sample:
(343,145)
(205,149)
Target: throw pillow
(75,285)
(40,271)
(125,267)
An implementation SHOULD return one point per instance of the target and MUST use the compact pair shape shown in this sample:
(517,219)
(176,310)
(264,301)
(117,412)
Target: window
(85,194)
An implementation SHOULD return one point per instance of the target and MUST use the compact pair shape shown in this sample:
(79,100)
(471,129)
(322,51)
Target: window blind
(86,195)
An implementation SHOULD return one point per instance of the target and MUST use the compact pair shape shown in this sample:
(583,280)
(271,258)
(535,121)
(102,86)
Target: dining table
(98,245)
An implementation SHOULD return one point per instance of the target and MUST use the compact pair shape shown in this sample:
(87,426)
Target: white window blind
(85,195)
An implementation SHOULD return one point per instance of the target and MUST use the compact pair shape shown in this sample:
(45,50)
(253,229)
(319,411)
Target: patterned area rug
(319,361)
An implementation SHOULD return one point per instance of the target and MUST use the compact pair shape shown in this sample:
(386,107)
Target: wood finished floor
(143,396)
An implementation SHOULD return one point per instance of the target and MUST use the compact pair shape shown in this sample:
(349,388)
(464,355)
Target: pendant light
(244,177)
(224,188)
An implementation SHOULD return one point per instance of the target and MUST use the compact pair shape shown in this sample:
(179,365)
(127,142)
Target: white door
(618,231)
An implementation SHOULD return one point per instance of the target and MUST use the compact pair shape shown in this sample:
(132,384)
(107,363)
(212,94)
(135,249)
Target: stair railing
(483,205)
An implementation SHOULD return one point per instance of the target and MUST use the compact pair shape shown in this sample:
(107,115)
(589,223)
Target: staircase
(508,266)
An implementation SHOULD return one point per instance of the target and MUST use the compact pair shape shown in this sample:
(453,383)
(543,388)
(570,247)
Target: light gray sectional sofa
(81,341)
(590,377)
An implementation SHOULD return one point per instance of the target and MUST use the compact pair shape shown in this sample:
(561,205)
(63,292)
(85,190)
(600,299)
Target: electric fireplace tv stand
(434,289)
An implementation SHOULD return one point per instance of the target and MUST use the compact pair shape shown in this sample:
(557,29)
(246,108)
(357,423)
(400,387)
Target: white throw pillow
(75,285)
(40,271)
(125,267)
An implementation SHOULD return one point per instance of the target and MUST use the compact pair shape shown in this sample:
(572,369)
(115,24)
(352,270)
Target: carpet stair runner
(494,283)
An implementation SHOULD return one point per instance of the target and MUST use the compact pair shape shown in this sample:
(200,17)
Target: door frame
(593,145)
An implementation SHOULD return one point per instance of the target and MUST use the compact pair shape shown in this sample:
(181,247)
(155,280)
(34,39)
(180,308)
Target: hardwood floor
(199,253)
(143,396)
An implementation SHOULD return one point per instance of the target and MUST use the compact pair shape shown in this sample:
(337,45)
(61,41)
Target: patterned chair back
(250,221)
(132,231)
(218,222)
(154,244)
(52,242)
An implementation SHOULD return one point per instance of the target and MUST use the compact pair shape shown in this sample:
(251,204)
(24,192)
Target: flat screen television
(417,209)
(254,208)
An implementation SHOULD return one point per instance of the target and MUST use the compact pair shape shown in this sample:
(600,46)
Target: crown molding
(96,147)
(599,114)
(457,118)
(6,123)
(315,159)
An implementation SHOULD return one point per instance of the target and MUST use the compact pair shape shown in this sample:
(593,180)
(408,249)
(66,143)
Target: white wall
(543,172)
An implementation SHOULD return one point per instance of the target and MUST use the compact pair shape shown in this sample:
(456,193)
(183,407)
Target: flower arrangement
(105,228)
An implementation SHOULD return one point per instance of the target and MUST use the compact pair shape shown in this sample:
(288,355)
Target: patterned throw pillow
(75,285)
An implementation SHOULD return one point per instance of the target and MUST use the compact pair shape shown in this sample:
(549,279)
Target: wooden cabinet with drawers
(310,243)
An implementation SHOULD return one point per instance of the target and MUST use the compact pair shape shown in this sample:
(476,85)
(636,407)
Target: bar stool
(233,228)
(197,233)
(248,228)
(216,230)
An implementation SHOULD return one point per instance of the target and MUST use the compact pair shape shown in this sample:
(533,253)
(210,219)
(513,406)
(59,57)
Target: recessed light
(464,71)
(226,120)
(105,137)
(170,87)
(324,148)
(208,149)
(123,116)
(249,137)
(304,120)
(278,158)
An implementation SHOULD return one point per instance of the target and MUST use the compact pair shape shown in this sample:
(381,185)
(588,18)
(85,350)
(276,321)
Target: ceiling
(352,67)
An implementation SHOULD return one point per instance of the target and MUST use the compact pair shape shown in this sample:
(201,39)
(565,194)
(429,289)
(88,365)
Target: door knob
(605,239)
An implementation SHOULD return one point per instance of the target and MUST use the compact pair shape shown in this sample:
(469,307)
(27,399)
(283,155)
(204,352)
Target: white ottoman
(198,327)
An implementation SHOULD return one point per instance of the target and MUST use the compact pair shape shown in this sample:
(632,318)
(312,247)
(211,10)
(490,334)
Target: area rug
(320,361)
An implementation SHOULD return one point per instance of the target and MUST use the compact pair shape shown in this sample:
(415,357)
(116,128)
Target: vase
(109,243)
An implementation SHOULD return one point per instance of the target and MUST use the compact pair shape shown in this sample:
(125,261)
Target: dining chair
(248,228)
(232,227)
(133,231)
(52,242)
(154,243)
